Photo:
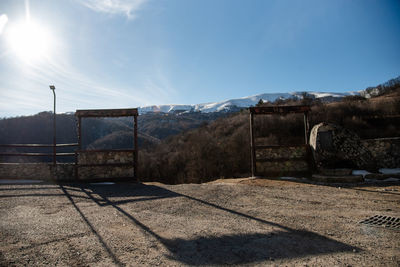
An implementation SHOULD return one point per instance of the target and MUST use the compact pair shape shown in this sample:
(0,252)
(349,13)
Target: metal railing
(54,155)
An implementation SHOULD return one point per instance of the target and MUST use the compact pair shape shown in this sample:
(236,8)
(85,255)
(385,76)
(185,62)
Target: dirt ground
(248,222)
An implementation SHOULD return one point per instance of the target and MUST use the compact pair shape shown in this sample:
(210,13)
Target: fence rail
(35,146)
(38,145)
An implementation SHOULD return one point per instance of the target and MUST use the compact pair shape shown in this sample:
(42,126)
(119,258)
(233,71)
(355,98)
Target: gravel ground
(250,222)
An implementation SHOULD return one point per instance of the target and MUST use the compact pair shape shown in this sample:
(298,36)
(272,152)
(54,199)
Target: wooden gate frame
(275,110)
(103,113)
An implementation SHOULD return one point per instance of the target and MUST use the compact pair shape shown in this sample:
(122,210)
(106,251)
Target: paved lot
(243,222)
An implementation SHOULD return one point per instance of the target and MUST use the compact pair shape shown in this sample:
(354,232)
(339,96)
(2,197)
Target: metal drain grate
(383,221)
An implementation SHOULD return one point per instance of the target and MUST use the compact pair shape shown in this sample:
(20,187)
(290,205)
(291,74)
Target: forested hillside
(222,148)
(97,133)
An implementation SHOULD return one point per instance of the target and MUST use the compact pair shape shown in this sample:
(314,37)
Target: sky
(130,53)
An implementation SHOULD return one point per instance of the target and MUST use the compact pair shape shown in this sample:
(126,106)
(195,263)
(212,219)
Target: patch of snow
(360,172)
(389,171)
(330,94)
(165,108)
(9,181)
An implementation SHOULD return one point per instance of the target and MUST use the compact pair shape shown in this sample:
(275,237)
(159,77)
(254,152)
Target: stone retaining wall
(100,172)
(102,157)
(105,157)
(292,152)
(37,171)
(385,151)
(66,171)
(336,147)
(273,164)
(282,168)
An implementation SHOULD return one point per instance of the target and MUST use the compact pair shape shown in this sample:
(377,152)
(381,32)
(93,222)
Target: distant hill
(381,89)
(233,105)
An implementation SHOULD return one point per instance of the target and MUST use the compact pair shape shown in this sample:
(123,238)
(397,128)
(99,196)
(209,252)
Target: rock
(336,147)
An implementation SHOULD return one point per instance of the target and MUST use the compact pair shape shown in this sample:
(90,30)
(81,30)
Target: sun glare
(30,42)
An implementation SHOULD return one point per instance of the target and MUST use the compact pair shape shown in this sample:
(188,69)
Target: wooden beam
(104,150)
(279,109)
(135,141)
(279,146)
(127,112)
(37,145)
(252,146)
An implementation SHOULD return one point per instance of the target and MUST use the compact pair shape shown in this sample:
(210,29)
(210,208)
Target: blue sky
(117,54)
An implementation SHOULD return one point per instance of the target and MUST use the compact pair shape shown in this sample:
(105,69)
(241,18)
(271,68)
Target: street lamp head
(52,87)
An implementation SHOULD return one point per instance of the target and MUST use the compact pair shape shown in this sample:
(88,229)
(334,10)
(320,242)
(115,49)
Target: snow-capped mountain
(233,104)
(248,101)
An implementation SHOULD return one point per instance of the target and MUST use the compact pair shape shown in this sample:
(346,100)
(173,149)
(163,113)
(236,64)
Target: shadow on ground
(224,249)
(205,250)
(248,248)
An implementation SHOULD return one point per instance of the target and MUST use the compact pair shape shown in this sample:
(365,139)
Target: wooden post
(79,132)
(135,160)
(252,147)
(306,127)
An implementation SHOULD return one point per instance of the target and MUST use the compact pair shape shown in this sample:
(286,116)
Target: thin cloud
(115,7)
(81,87)
(3,22)
(27,92)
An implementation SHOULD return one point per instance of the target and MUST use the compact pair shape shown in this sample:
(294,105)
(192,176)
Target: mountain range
(238,103)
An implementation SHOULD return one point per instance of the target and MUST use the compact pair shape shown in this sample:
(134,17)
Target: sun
(29,41)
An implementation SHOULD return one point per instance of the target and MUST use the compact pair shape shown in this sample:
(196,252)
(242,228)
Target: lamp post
(53,88)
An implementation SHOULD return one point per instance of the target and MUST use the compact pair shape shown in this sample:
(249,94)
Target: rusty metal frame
(103,113)
(275,110)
